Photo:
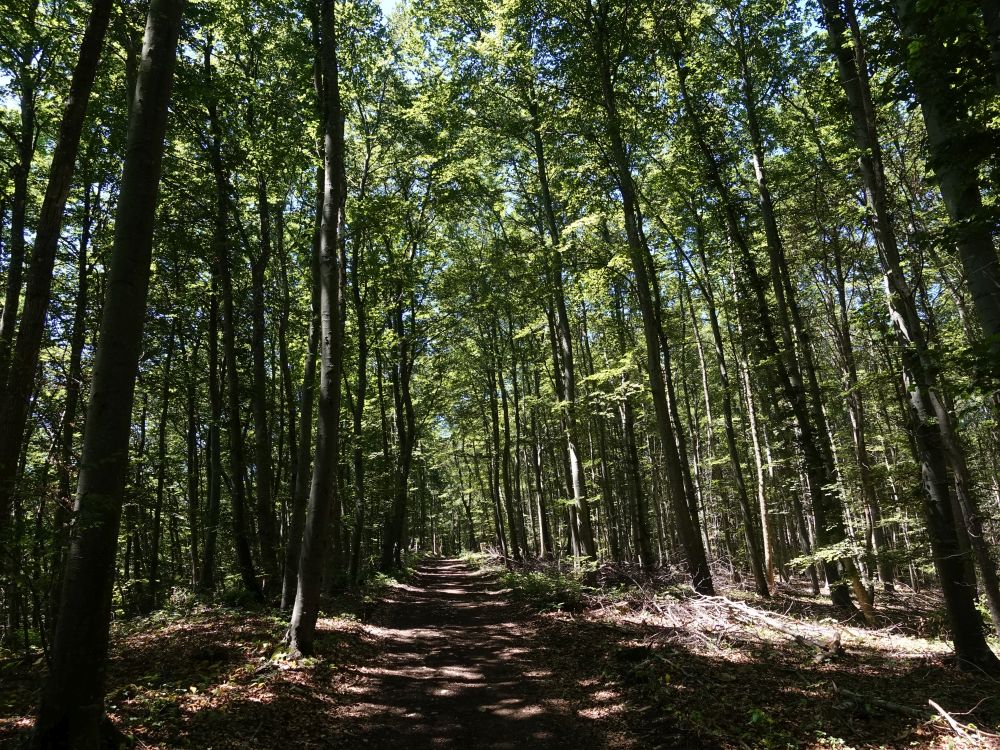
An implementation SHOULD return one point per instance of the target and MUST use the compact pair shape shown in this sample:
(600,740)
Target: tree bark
(222,269)
(206,576)
(399,375)
(763,575)
(264,474)
(161,475)
(71,713)
(20,375)
(926,409)
(360,394)
(193,474)
(25,150)
(826,505)
(687,528)
(323,493)
(303,473)
(954,158)
(564,341)
(71,407)
(856,411)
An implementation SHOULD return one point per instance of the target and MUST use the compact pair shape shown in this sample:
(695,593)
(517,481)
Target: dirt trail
(463,667)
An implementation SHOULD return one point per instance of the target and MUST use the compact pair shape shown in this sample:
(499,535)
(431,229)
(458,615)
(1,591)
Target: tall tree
(20,371)
(324,491)
(927,413)
(71,713)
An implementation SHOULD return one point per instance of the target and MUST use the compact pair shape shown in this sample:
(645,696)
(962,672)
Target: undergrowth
(543,585)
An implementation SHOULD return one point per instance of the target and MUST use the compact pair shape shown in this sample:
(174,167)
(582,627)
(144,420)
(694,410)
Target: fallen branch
(955,726)
(831,647)
(918,713)
(887,705)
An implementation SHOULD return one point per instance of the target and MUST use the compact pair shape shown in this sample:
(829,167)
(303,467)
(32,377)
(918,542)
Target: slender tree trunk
(303,473)
(237,457)
(395,534)
(222,269)
(763,574)
(856,411)
(161,476)
(361,393)
(825,503)
(206,577)
(72,705)
(287,393)
(20,375)
(505,464)
(25,151)
(639,506)
(193,475)
(546,546)
(264,474)
(687,528)
(926,409)
(564,340)
(323,494)
(523,517)
(74,387)
(494,459)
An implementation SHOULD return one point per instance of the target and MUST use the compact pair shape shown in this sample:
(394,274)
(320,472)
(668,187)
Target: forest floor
(460,657)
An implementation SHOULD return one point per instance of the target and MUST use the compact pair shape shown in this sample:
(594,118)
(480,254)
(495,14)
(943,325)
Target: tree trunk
(763,576)
(323,494)
(20,375)
(71,407)
(564,340)
(826,504)
(222,269)
(639,505)
(264,474)
(546,547)
(287,392)
(25,151)
(72,705)
(856,411)
(954,157)
(206,577)
(395,529)
(361,393)
(926,409)
(505,465)
(161,475)
(303,473)
(690,537)
(193,475)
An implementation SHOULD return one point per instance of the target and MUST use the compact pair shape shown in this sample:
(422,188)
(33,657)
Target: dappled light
(461,374)
(446,662)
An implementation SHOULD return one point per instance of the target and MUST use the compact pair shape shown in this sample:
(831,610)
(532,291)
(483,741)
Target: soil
(464,667)
(444,661)
(450,659)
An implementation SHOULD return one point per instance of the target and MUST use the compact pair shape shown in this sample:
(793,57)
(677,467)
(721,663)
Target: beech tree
(72,708)
(624,288)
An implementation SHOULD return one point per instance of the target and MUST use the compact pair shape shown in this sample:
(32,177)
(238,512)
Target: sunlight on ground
(436,661)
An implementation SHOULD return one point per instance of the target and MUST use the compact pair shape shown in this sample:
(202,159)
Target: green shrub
(546,590)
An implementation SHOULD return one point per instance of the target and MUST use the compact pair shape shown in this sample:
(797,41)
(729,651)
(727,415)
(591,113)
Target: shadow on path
(462,668)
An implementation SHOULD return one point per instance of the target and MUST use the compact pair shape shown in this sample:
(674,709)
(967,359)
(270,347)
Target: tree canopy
(295,288)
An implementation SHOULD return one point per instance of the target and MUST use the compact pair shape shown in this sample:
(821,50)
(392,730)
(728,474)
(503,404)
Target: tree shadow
(730,690)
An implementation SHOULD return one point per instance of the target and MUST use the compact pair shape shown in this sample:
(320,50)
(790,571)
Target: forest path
(464,667)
